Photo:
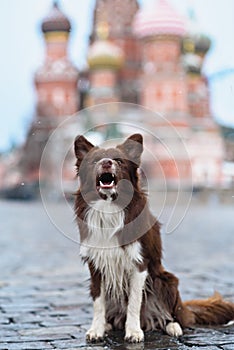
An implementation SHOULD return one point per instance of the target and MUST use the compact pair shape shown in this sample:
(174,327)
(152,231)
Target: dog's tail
(212,311)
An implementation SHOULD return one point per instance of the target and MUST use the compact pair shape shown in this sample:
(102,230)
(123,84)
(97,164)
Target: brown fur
(161,302)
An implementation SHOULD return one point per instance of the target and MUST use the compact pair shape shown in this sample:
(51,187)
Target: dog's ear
(81,147)
(133,148)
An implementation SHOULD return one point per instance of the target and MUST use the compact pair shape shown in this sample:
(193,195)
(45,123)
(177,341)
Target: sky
(22,52)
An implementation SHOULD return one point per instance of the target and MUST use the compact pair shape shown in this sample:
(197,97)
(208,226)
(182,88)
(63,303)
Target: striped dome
(159,19)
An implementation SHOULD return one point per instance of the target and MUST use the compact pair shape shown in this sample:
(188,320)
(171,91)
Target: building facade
(163,59)
(57,96)
(148,56)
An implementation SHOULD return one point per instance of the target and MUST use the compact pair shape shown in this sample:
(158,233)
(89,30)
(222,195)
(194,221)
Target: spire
(102,30)
(101,26)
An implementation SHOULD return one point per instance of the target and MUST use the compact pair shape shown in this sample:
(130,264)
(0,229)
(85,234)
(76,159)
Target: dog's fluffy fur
(129,286)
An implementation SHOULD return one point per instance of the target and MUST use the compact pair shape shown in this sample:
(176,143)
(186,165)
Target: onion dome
(202,44)
(161,19)
(195,41)
(56,21)
(105,54)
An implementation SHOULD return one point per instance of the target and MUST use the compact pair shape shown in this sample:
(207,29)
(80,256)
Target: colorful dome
(161,19)
(202,44)
(103,53)
(195,41)
(56,21)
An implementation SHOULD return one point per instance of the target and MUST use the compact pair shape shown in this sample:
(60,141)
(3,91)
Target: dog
(120,242)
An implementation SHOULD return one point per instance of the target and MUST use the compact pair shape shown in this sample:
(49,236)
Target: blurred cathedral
(151,56)
(154,57)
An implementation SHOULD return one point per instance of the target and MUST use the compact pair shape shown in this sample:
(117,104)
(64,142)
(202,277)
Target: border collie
(120,241)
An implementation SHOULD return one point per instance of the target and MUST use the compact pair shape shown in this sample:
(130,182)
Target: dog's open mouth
(106,181)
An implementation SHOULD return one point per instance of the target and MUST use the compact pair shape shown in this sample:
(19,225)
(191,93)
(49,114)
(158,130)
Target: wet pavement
(44,301)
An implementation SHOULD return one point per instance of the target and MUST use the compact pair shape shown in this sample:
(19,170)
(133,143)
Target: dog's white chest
(115,263)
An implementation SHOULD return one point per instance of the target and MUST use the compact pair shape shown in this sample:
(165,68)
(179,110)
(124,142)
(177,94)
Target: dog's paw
(95,334)
(134,335)
(174,329)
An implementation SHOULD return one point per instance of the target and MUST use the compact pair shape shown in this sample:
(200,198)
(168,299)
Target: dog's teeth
(113,175)
(106,185)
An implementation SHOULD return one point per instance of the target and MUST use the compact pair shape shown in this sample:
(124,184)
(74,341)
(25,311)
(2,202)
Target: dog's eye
(119,161)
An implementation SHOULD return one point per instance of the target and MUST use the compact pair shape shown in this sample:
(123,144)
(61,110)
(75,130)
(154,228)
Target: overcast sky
(22,51)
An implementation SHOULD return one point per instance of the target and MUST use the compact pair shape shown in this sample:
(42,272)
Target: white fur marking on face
(133,331)
(174,329)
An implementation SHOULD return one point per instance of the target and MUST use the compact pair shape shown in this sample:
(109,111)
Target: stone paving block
(26,346)
(7,333)
(4,319)
(95,347)
(77,320)
(63,303)
(23,308)
(67,309)
(49,330)
(203,347)
(227,347)
(12,291)
(70,344)
(58,286)
(18,326)
(27,318)
(35,338)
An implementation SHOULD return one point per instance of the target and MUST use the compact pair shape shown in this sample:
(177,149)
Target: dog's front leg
(97,329)
(133,331)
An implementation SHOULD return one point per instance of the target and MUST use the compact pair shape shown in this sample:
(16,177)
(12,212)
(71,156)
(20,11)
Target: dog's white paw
(134,335)
(174,329)
(95,334)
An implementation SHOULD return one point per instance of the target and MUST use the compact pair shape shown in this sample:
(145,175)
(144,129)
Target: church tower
(56,91)
(163,83)
(164,87)
(105,60)
(195,46)
(118,17)
(205,144)
(56,79)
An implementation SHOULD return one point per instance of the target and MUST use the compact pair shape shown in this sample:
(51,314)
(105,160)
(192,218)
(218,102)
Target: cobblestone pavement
(44,303)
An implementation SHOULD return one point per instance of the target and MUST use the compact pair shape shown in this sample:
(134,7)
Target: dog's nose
(106,163)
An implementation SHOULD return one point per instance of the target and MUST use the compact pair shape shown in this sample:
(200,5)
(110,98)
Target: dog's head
(101,170)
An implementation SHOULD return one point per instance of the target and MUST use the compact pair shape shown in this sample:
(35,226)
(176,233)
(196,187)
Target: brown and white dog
(120,241)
